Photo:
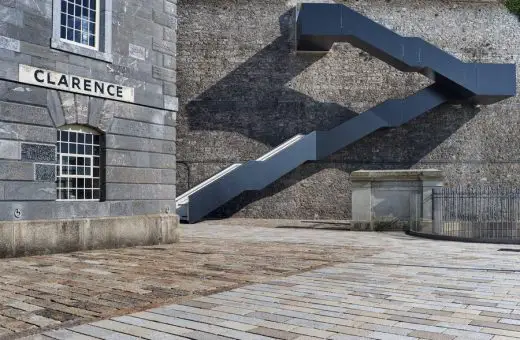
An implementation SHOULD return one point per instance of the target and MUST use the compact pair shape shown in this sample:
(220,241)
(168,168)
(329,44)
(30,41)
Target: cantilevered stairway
(318,27)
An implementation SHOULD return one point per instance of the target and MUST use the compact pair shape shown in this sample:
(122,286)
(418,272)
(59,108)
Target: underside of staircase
(318,27)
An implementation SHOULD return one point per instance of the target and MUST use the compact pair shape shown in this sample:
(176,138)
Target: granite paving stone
(468,335)
(37,337)
(152,325)
(350,330)
(101,333)
(140,332)
(197,335)
(500,331)
(384,329)
(233,310)
(269,316)
(510,321)
(431,335)
(188,316)
(237,325)
(64,334)
(276,325)
(389,336)
(308,323)
(274,333)
(421,321)
(345,337)
(464,327)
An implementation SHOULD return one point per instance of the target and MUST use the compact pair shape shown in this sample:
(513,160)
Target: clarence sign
(65,82)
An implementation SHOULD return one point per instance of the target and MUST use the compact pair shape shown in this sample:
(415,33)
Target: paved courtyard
(46,292)
(355,286)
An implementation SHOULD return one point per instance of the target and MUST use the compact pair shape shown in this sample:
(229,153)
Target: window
(78,172)
(79,22)
(83,27)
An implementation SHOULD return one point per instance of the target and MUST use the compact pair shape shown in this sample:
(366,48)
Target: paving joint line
(439,267)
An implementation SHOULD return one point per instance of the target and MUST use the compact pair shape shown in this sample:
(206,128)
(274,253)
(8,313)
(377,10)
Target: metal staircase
(318,27)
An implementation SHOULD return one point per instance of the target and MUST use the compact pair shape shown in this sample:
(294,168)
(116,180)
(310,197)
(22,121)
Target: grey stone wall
(139,138)
(243,91)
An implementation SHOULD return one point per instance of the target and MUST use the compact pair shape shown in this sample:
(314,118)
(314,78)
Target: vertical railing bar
(512,213)
(505,233)
(501,215)
(467,211)
(441,213)
(447,217)
(456,211)
(443,226)
(448,212)
(500,223)
(492,213)
(463,212)
(481,214)
(510,209)
(452,204)
(457,196)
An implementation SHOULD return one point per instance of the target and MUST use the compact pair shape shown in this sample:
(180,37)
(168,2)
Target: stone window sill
(61,45)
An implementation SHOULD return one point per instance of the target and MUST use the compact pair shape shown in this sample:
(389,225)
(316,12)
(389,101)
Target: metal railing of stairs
(318,27)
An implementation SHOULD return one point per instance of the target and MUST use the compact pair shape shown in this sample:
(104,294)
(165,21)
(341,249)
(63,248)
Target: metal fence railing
(488,214)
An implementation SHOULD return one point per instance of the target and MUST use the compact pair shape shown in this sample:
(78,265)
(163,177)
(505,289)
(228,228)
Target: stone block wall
(139,137)
(244,91)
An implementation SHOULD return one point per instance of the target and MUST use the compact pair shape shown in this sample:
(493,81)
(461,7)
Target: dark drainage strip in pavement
(512,250)
(319,224)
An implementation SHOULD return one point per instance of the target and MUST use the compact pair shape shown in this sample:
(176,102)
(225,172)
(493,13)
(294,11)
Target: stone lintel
(396,175)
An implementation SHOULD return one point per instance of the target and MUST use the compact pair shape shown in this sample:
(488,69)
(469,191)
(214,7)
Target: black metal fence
(487,214)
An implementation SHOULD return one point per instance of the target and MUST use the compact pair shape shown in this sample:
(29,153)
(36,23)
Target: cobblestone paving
(43,292)
(408,289)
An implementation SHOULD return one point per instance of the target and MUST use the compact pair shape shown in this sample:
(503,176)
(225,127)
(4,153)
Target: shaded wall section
(243,91)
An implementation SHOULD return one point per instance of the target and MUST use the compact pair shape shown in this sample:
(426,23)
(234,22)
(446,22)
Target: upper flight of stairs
(318,27)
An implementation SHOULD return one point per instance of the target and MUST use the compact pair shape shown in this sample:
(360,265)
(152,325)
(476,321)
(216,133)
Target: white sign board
(65,82)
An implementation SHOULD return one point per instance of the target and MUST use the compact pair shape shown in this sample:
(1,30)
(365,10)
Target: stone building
(87,124)
(243,90)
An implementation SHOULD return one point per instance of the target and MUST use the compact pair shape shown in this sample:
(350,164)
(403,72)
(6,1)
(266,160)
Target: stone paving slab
(407,288)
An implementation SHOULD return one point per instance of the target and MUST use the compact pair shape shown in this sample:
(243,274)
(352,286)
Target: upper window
(80,22)
(83,27)
(78,172)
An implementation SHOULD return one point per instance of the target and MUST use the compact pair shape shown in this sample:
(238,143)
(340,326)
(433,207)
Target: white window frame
(97,37)
(103,41)
(60,164)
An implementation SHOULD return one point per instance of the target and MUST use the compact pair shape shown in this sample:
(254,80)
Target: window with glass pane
(78,168)
(79,21)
